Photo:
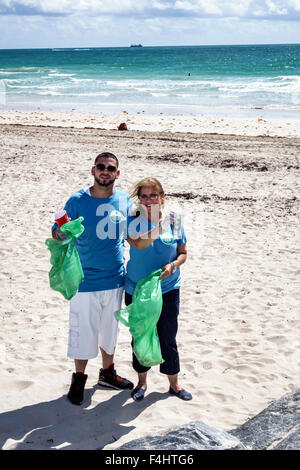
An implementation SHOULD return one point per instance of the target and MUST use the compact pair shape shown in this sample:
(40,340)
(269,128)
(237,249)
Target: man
(92,322)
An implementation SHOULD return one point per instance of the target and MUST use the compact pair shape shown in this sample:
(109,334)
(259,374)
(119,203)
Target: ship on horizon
(136,45)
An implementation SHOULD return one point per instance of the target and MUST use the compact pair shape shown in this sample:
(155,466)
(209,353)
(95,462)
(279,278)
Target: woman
(153,246)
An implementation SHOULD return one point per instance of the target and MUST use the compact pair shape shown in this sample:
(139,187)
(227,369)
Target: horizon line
(147,46)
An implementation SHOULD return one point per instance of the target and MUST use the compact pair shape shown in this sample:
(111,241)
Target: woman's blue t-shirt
(162,251)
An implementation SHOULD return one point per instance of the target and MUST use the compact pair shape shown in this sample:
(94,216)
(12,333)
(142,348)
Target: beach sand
(238,333)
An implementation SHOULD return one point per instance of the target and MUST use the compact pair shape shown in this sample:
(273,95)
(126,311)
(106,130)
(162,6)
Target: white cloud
(82,23)
(295,4)
(240,9)
(152,8)
(68,7)
(204,7)
(275,8)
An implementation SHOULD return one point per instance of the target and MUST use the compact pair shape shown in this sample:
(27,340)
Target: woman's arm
(181,258)
(143,241)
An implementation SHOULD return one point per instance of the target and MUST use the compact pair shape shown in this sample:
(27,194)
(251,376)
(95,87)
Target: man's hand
(58,234)
(54,235)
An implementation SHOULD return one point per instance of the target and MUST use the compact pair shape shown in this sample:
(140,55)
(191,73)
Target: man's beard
(107,182)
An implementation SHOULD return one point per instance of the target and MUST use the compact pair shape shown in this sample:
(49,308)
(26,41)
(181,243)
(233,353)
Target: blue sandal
(183,394)
(138,393)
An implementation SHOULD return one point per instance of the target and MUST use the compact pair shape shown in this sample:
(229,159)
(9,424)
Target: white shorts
(93,323)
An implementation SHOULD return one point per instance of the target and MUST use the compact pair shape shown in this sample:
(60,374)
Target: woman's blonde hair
(152,182)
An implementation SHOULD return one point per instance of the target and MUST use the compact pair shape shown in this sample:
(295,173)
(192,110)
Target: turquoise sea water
(185,80)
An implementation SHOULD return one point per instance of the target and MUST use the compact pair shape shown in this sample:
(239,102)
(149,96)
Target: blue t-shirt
(162,251)
(101,245)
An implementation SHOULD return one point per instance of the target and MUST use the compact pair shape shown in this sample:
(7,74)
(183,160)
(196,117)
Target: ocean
(172,80)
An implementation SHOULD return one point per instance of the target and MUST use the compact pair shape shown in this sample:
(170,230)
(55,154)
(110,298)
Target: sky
(119,23)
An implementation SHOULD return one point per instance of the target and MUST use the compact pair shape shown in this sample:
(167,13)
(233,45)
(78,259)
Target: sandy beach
(254,122)
(237,184)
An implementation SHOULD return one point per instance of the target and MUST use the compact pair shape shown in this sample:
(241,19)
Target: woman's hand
(167,270)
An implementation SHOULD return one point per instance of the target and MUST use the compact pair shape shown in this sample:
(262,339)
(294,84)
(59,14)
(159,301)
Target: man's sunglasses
(101,167)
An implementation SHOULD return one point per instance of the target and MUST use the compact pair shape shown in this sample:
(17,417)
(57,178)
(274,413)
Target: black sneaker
(108,378)
(76,391)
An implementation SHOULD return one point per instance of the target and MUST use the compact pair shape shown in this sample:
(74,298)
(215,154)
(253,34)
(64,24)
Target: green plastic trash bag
(142,316)
(66,273)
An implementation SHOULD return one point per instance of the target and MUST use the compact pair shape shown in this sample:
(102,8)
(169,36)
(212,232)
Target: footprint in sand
(20,385)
